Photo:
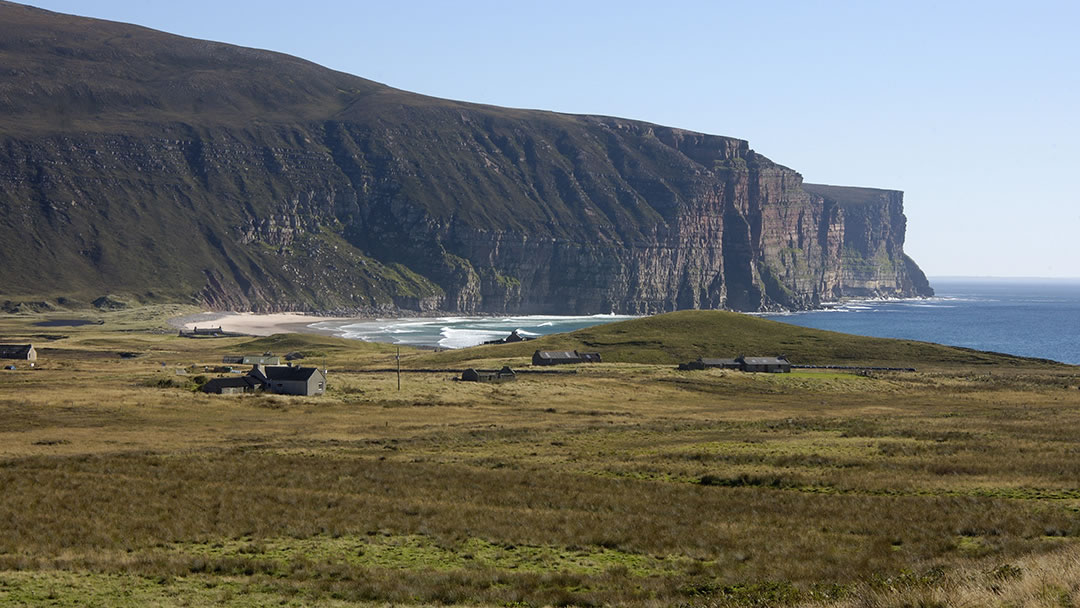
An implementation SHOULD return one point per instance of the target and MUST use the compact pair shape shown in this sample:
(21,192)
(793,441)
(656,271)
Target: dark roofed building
(555,357)
(765,364)
(290,380)
(710,363)
(560,357)
(24,352)
(232,386)
(207,332)
(263,359)
(513,337)
(489,375)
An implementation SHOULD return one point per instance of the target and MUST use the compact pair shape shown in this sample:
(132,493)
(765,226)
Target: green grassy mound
(686,335)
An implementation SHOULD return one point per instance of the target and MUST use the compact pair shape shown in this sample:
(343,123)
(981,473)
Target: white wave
(456,331)
(462,338)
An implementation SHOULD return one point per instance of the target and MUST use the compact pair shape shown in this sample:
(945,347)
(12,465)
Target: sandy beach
(254,324)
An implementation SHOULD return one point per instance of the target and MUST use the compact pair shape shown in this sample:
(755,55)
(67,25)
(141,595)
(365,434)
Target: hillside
(686,335)
(166,168)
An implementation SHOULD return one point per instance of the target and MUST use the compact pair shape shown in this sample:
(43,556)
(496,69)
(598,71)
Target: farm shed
(231,386)
(765,364)
(23,352)
(489,375)
(560,357)
(710,363)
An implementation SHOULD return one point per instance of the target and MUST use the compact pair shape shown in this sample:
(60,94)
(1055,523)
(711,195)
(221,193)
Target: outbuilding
(512,338)
(710,363)
(232,386)
(290,380)
(263,359)
(775,365)
(23,352)
(489,375)
(562,357)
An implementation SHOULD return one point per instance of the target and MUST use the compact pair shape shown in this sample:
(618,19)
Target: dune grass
(625,483)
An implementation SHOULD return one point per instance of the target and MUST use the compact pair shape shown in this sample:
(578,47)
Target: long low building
(765,364)
(22,352)
(711,363)
(489,375)
(561,357)
(747,364)
(264,359)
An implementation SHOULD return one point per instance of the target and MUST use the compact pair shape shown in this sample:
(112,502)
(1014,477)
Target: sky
(971,108)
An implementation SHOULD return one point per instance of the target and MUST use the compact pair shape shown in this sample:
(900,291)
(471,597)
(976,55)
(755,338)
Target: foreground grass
(621,484)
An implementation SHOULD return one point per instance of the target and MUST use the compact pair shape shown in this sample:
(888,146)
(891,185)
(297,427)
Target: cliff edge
(139,162)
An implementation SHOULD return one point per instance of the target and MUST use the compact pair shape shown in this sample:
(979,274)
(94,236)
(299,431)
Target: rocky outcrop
(162,167)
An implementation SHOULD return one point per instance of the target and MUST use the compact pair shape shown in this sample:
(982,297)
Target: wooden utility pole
(398,358)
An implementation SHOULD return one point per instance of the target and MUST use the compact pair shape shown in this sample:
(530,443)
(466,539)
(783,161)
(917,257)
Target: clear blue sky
(971,108)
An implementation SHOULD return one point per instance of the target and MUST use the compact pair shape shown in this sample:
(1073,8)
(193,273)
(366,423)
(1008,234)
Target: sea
(1027,317)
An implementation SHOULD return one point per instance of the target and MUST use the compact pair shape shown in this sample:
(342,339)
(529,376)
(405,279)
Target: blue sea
(1027,317)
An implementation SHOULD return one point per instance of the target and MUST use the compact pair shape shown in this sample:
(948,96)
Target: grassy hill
(686,335)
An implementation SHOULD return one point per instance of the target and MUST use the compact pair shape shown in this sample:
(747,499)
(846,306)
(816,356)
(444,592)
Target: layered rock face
(139,162)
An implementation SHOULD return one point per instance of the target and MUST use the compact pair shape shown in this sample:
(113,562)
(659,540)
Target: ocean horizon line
(999,278)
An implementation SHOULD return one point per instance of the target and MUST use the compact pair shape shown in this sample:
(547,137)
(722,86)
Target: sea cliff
(137,162)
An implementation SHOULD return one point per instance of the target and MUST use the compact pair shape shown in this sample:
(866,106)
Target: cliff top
(850,195)
(65,73)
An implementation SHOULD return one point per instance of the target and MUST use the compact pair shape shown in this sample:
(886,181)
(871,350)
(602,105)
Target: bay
(459,332)
(1026,317)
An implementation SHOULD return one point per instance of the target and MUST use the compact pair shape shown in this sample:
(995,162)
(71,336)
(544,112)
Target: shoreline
(267,324)
(257,324)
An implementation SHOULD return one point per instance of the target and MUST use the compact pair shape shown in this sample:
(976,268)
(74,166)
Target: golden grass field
(625,483)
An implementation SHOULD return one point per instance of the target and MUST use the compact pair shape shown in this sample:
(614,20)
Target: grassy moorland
(626,483)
